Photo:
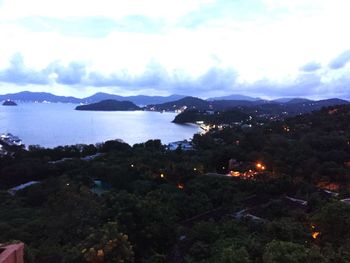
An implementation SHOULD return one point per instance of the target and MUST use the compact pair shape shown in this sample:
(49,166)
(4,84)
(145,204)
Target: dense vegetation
(291,107)
(229,116)
(109,105)
(158,205)
(9,103)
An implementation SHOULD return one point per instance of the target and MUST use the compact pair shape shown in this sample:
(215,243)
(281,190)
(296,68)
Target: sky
(205,48)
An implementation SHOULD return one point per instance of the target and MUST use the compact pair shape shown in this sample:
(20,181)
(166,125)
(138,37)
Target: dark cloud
(340,61)
(154,76)
(19,74)
(157,78)
(72,74)
(305,85)
(214,79)
(311,67)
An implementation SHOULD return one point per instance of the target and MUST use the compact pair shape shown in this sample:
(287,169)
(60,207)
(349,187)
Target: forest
(270,193)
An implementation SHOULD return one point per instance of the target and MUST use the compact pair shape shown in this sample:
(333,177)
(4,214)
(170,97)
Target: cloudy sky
(266,48)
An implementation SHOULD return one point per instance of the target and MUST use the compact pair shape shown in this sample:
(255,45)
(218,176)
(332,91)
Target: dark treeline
(157,205)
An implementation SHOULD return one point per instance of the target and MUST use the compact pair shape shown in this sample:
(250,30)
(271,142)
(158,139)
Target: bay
(54,124)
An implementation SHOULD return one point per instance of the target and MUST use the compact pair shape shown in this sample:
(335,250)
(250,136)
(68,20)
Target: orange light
(180,186)
(260,166)
(235,173)
(315,234)
(100,253)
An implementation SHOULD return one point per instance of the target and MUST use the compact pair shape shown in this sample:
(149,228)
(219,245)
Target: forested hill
(334,118)
(239,195)
(188,102)
(294,106)
(109,105)
(228,116)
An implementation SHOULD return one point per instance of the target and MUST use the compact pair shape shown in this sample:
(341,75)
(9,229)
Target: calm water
(56,124)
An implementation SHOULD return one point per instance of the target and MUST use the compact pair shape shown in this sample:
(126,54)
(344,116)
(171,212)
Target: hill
(267,192)
(229,116)
(138,100)
(9,103)
(234,97)
(187,102)
(27,96)
(109,105)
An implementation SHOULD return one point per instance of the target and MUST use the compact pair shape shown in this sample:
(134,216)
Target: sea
(54,124)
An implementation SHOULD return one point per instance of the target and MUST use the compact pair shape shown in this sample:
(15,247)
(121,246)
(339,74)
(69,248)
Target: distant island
(109,105)
(27,96)
(9,103)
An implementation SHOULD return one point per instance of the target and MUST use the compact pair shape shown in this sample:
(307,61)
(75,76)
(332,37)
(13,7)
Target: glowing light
(315,234)
(235,173)
(180,186)
(260,166)
(100,253)
(132,166)
(161,175)
(194,169)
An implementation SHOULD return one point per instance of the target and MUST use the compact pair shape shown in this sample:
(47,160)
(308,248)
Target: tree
(333,222)
(107,244)
(234,255)
(286,252)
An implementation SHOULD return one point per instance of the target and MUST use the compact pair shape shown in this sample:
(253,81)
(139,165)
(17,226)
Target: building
(183,145)
(13,190)
(13,253)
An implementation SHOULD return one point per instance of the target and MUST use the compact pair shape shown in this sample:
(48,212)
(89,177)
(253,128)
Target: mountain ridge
(28,96)
(234,97)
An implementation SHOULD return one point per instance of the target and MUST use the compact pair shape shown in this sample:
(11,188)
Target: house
(183,145)
(13,190)
(294,202)
(346,201)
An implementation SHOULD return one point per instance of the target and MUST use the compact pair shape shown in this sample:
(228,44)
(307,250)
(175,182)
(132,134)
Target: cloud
(73,74)
(311,67)
(340,61)
(19,74)
(155,76)
(106,8)
(156,79)
(95,27)
(304,85)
